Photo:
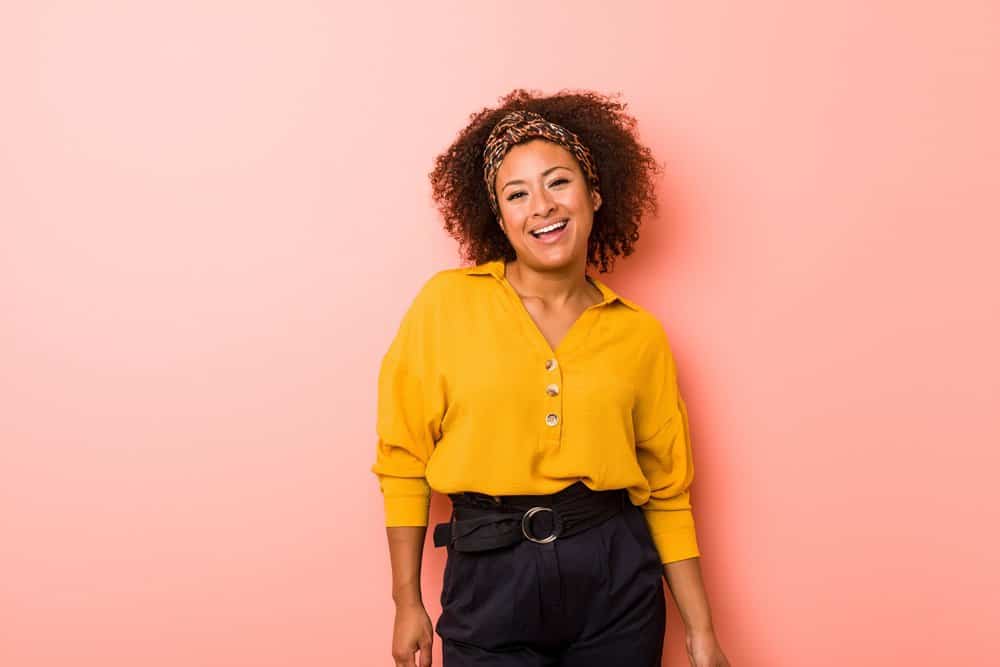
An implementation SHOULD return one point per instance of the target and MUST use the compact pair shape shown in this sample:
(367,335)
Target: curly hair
(625,167)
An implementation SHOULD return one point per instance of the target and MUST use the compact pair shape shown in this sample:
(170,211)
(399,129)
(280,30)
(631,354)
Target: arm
(688,590)
(412,630)
(401,455)
(410,409)
(663,451)
(663,448)
(406,549)
(686,585)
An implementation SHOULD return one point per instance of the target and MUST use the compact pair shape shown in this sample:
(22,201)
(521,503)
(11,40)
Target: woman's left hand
(704,650)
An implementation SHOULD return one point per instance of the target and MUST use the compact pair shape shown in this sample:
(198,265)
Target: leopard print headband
(513,129)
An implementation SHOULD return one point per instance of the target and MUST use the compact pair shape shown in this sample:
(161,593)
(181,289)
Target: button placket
(553,401)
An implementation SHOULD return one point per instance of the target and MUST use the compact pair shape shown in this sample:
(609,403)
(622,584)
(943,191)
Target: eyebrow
(544,173)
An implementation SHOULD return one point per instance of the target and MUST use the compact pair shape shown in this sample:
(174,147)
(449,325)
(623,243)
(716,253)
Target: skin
(412,631)
(538,183)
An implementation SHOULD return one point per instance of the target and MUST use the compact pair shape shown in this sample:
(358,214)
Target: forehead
(534,156)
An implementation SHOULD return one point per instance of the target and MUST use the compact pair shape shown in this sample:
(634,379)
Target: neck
(555,288)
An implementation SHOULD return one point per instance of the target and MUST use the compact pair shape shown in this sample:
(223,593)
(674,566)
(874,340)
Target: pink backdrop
(214,214)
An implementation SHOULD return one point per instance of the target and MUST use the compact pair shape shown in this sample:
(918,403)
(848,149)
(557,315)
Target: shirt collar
(497,268)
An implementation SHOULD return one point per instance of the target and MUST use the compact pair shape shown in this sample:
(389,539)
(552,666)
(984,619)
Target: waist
(577,493)
(480,521)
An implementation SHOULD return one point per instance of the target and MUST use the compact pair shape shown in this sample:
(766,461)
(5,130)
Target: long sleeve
(410,409)
(663,448)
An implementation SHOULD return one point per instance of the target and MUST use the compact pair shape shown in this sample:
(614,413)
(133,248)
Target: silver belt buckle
(532,512)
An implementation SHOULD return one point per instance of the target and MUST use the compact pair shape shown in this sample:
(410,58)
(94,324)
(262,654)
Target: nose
(544,203)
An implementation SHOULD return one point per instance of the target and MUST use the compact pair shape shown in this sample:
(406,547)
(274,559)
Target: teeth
(555,225)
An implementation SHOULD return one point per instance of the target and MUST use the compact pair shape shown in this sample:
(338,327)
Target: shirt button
(552,390)
(551,419)
(550,365)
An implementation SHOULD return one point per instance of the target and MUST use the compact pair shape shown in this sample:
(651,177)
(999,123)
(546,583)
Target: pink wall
(214,214)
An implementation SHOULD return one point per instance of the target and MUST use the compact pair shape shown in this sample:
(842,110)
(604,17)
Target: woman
(544,404)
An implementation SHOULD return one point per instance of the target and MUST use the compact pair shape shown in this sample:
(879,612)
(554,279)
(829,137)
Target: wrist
(409,604)
(407,598)
(700,629)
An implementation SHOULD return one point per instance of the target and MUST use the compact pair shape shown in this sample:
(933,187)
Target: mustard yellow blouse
(471,397)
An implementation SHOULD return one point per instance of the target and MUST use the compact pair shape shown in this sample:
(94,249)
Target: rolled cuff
(407,501)
(673,533)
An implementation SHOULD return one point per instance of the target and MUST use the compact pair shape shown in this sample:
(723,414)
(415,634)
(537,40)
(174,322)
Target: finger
(406,661)
(425,652)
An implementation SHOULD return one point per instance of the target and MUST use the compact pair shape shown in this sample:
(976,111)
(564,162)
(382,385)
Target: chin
(559,261)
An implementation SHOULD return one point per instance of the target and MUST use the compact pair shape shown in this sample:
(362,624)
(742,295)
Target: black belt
(480,522)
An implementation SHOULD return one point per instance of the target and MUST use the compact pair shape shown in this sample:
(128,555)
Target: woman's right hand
(411,632)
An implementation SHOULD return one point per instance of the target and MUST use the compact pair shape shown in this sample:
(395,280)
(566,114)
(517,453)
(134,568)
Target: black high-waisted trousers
(596,599)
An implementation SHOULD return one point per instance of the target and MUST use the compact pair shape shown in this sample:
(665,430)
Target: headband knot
(515,128)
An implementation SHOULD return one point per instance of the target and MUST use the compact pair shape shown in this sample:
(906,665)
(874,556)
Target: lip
(553,237)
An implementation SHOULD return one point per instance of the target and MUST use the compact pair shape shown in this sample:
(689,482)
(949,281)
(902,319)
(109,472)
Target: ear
(595,197)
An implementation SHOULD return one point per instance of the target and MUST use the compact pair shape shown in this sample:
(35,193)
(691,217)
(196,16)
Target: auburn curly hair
(626,170)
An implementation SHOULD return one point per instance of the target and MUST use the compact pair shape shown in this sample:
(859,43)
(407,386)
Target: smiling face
(540,185)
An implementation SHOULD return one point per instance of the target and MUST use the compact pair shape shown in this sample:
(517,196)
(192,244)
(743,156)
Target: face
(538,185)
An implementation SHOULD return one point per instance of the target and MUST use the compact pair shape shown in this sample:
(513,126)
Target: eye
(517,195)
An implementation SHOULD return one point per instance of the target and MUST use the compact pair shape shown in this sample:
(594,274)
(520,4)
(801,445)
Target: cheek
(582,207)
(579,200)
(507,211)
